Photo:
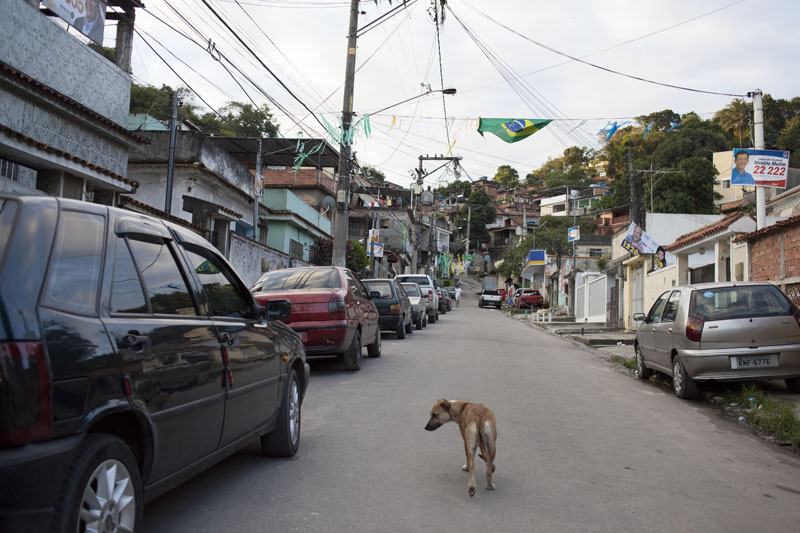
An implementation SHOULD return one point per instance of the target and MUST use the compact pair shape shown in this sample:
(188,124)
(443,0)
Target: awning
(535,264)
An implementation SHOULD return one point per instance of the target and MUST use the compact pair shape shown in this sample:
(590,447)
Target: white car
(426,285)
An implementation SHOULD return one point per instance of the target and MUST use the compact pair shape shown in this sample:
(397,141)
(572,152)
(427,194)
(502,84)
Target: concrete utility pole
(758,127)
(173,129)
(341,220)
(257,197)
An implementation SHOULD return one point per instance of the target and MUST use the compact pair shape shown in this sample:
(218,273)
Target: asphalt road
(581,447)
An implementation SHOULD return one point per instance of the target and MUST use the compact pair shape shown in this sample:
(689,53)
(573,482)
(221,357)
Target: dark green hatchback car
(393,306)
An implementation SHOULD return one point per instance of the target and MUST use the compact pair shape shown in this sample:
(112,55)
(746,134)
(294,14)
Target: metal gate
(590,298)
(637,291)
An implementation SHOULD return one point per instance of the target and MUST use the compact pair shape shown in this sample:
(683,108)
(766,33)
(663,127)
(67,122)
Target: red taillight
(337,307)
(430,293)
(24,393)
(394,309)
(694,329)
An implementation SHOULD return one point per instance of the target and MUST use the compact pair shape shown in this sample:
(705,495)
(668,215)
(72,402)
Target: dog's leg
(470,444)
(488,452)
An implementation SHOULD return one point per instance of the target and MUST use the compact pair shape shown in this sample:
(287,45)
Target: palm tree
(735,119)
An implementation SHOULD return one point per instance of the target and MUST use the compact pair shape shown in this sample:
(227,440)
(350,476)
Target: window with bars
(9,170)
(295,249)
(595,252)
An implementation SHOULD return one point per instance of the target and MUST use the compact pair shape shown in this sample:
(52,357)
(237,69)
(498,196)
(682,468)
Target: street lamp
(341,220)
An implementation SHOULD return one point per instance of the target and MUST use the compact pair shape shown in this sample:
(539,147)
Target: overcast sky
(724,46)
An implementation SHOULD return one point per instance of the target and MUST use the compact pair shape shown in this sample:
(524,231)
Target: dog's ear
(445,404)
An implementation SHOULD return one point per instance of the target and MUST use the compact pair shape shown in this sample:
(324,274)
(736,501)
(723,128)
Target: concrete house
(63,108)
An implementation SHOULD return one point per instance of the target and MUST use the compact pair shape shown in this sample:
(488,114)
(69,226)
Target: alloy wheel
(108,503)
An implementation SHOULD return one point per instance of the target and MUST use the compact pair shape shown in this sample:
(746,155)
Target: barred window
(295,249)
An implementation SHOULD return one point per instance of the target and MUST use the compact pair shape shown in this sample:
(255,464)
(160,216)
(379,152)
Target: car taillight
(394,309)
(694,329)
(24,393)
(430,293)
(337,307)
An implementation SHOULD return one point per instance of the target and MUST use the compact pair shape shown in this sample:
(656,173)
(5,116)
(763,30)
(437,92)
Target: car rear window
(419,280)
(746,301)
(493,292)
(306,278)
(412,289)
(383,287)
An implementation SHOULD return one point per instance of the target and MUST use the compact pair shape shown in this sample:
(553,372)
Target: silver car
(418,309)
(720,332)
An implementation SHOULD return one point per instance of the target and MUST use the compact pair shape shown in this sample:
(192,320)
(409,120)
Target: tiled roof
(791,221)
(8,69)
(66,155)
(704,232)
(161,214)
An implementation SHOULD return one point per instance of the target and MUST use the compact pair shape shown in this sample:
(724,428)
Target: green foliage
(321,253)
(109,52)
(790,140)
(689,190)
(237,119)
(602,263)
(372,173)
(507,176)
(771,416)
(572,168)
(483,213)
(735,119)
(455,188)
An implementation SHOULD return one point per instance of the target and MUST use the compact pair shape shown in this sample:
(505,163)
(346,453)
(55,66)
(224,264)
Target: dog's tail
(488,440)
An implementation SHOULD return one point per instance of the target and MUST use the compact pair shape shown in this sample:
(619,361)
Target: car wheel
(103,491)
(432,319)
(410,327)
(352,357)
(284,440)
(418,323)
(499,306)
(400,330)
(793,384)
(425,321)
(642,372)
(683,386)
(374,349)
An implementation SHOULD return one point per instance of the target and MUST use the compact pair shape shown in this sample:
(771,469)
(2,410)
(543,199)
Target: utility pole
(173,128)
(341,220)
(372,245)
(257,197)
(758,126)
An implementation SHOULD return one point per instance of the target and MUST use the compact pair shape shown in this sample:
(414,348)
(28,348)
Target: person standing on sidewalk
(458,296)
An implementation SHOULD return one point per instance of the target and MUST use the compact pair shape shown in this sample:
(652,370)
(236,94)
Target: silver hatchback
(720,332)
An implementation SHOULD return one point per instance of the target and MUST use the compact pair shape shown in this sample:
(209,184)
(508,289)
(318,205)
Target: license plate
(754,361)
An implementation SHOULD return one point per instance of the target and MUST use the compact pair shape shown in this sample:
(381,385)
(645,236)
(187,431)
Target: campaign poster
(637,242)
(87,16)
(574,234)
(761,168)
(659,258)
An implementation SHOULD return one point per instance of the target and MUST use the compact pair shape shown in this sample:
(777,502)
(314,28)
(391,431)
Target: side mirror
(373,295)
(279,309)
(639,317)
(423,296)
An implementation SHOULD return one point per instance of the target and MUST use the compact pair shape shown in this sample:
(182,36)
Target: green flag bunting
(511,130)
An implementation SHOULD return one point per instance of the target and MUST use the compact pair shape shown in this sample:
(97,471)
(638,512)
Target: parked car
(426,285)
(528,299)
(490,297)
(393,306)
(331,310)
(444,301)
(132,357)
(720,332)
(417,299)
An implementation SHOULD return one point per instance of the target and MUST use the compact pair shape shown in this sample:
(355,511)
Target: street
(581,447)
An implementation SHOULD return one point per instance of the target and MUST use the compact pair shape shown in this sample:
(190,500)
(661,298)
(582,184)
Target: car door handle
(669,330)
(132,339)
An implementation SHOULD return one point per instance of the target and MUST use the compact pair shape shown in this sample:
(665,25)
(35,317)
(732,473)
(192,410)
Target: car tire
(400,331)
(793,384)
(374,349)
(103,466)
(284,440)
(642,372)
(683,386)
(352,357)
(425,321)
(410,327)
(418,323)
(499,306)
(432,319)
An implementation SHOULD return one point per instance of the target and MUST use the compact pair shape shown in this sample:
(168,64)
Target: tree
(483,212)
(455,188)
(790,140)
(246,120)
(661,120)
(690,189)
(735,118)
(321,253)
(507,176)
(373,174)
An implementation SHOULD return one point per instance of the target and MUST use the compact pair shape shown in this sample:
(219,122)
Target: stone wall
(250,259)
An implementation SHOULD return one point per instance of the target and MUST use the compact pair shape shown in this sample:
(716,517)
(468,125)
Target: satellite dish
(328,203)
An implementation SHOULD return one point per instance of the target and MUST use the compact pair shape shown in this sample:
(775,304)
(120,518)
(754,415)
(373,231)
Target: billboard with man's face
(764,168)
(87,16)
(637,242)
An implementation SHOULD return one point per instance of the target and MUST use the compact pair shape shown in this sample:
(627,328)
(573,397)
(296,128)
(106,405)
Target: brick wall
(776,256)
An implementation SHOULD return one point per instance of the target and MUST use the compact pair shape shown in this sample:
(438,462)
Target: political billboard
(762,168)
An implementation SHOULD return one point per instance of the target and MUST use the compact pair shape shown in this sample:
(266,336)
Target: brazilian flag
(511,130)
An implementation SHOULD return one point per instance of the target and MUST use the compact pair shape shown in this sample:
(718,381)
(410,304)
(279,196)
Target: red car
(529,298)
(332,311)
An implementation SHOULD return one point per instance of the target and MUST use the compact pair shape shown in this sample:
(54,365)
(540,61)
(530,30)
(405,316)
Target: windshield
(304,278)
(419,280)
(383,287)
(739,302)
(493,292)
(412,289)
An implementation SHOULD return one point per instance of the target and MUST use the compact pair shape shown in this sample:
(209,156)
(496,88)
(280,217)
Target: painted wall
(250,259)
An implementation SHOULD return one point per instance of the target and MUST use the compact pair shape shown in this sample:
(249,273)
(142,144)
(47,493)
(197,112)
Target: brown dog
(478,428)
